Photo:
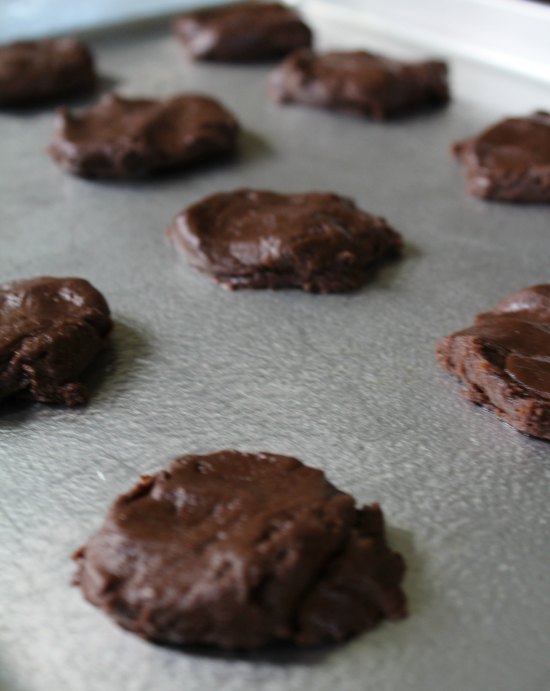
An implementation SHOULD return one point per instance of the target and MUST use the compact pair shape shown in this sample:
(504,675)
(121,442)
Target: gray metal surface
(346,383)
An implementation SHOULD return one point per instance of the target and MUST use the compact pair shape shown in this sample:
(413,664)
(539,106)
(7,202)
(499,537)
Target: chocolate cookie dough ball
(509,161)
(319,242)
(503,360)
(242,32)
(129,138)
(51,330)
(359,82)
(242,550)
(34,72)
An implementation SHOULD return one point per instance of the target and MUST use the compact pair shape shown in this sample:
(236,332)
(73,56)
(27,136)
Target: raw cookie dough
(33,72)
(242,550)
(128,138)
(319,242)
(359,82)
(510,161)
(504,360)
(242,32)
(51,330)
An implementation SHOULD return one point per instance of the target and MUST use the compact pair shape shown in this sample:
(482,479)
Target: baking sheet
(346,383)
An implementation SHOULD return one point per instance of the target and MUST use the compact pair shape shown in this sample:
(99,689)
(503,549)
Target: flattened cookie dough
(242,550)
(359,82)
(319,242)
(128,138)
(510,161)
(33,72)
(503,361)
(242,32)
(51,330)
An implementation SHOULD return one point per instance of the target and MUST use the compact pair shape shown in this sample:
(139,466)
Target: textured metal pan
(347,383)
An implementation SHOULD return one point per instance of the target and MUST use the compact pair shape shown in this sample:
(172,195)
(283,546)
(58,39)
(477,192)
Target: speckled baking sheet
(346,383)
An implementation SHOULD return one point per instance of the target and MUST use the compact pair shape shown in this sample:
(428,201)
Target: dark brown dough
(33,72)
(128,138)
(359,82)
(51,330)
(242,32)
(504,360)
(242,550)
(510,161)
(319,242)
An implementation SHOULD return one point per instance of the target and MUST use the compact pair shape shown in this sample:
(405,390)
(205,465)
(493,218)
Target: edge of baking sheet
(35,19)
(509,34)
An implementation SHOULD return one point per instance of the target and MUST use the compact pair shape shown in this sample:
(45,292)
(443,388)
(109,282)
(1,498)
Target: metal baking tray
(348,383)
